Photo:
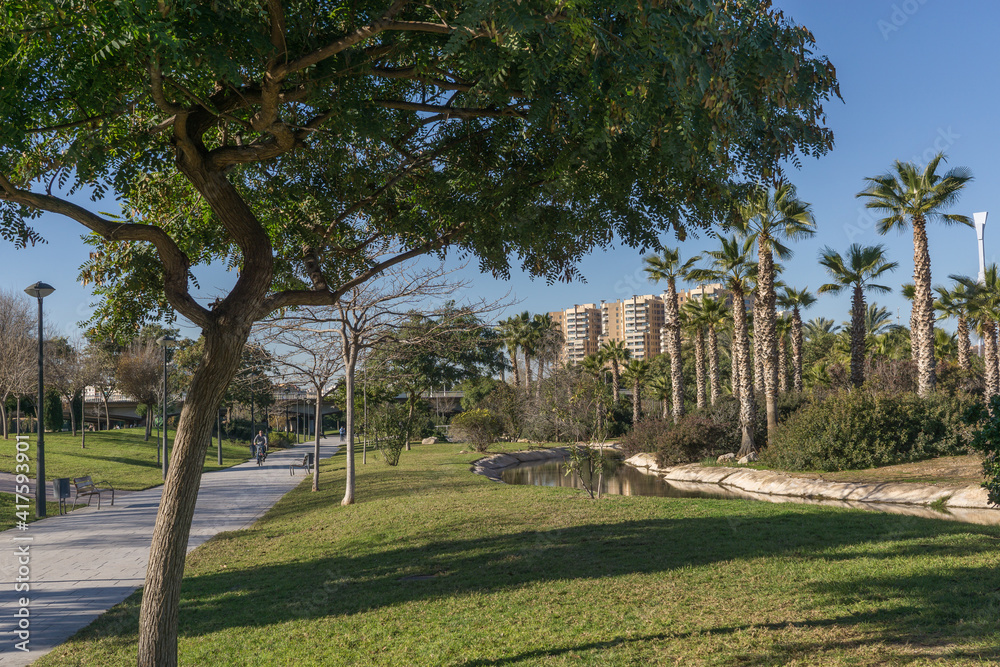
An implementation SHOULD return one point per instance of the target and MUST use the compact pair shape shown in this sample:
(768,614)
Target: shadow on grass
(957,602)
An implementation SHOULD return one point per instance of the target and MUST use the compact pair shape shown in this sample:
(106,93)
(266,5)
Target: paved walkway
(83,563)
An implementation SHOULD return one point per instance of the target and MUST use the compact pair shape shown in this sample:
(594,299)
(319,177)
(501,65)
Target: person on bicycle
(260,444)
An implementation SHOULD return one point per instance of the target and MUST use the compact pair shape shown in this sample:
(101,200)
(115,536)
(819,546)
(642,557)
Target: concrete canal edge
(780,484)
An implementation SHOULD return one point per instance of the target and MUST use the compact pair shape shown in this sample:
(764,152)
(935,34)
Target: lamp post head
(166,341)
(980,222)
(39,290)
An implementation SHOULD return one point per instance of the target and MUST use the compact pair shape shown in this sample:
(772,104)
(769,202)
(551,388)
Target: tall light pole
(980,220)
(40,290)
(165,342)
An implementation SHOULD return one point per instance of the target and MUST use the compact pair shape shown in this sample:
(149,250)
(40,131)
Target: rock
(462,451)
(523,440)
(749,458)
(429,441)
(725,458)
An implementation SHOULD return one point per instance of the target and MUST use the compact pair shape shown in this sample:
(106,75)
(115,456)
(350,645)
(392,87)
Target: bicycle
(261,454)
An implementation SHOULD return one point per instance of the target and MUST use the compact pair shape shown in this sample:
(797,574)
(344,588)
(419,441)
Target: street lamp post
(980,220)
(165,342)
(40,290)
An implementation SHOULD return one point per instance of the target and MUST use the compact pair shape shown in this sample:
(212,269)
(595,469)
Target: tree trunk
(527,374)
(107,416)
(699,367)
(964,344)
(409,417)
(158,618)
(349,365)
(713,364)
(673,327)
(636,398)
(796,349)
(923,304)
(72,416)
(666,408)
(783,365)
(149,421)
(857,336)
(513,364)
(3,417)
(319,432)
(748,405)
(766,331)
(992,377)
(757,367)
(615,381)
(734,368)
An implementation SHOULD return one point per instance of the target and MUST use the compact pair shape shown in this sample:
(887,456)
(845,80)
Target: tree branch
(176,264)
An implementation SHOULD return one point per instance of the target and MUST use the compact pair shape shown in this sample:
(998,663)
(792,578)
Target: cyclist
(260,445)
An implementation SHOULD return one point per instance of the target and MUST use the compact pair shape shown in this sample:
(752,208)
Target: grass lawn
(120,457)
(8,510)
(436,566)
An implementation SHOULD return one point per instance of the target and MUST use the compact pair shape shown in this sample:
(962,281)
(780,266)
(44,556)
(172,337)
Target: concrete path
(83,563)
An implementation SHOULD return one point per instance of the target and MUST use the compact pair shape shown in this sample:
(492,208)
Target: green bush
(864,429)
(480,427)
(691,439)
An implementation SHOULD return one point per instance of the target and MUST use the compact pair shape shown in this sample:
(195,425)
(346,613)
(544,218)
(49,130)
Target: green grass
(542,576)
(8,510)
(120,457)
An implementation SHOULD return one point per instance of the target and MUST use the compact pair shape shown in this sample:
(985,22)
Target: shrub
(387,424)
(480,427)
(691,439)
(864,429)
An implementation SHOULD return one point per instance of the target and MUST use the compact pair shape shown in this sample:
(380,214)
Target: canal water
(629,481)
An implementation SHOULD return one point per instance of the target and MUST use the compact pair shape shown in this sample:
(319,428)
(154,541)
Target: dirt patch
(947,471)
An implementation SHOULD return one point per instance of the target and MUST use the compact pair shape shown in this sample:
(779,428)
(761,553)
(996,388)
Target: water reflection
(629,481)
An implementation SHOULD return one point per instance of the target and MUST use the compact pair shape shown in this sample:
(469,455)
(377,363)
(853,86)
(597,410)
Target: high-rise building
(636,321)
(581,329)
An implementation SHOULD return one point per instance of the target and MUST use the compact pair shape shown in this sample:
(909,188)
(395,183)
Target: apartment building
(637,322)
(581,329)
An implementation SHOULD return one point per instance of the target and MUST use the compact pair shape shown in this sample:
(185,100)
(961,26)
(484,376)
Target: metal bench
(85,487)
(307,462)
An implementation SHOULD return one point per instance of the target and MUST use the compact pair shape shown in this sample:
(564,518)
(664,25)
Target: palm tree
(769,218)
(636,372)
(908,196)
(693,322)
(945,344)
(548,340)
(669,267)
(593,365)
(615,353)
(955,303)
(660,386)
(731,265)
(797,300)
(862,265)
(984,311)
(878,319)
(714,313)
(512,330)
(819,326)
(784,332)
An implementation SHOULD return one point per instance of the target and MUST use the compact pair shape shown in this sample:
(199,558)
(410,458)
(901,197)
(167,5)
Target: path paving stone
(85,562)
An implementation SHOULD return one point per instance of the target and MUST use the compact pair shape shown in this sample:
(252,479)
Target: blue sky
(916,76)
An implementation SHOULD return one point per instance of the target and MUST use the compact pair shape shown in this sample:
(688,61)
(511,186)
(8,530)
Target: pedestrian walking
(343,434)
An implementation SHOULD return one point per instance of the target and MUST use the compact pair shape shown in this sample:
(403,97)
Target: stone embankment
(781,484)
(492,466)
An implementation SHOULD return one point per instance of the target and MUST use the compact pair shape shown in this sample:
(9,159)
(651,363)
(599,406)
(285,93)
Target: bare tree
(102,368)
(16,349)
(67,371)
(140,375)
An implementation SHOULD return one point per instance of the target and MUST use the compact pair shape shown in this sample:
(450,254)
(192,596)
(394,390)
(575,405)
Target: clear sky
(917,76)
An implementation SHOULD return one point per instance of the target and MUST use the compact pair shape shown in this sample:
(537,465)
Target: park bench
(307,462)
(85,487)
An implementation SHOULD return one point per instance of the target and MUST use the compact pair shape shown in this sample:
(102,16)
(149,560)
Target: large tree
(769,218)
(288,138)
(797,300)
(856,272)
(910,196)
(17,348)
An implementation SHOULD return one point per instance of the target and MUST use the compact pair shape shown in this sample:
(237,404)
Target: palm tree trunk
(527,374)
(923,304)
(513,363)
(992,378)
(748,406)
(857,336)
(713,364)
(699,366)
(757,368)
(766,331)
(963,343)
(636,398)
(673,326)
(666,408)
(734,368)
(796,349)
(783,365)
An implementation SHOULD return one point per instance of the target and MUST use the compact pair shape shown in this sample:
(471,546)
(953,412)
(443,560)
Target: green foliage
(864,429)
(987,441)
(53,411)
(691,439)
(388,426)
(476,390)
(591,465)
(480,427)
(510,405)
